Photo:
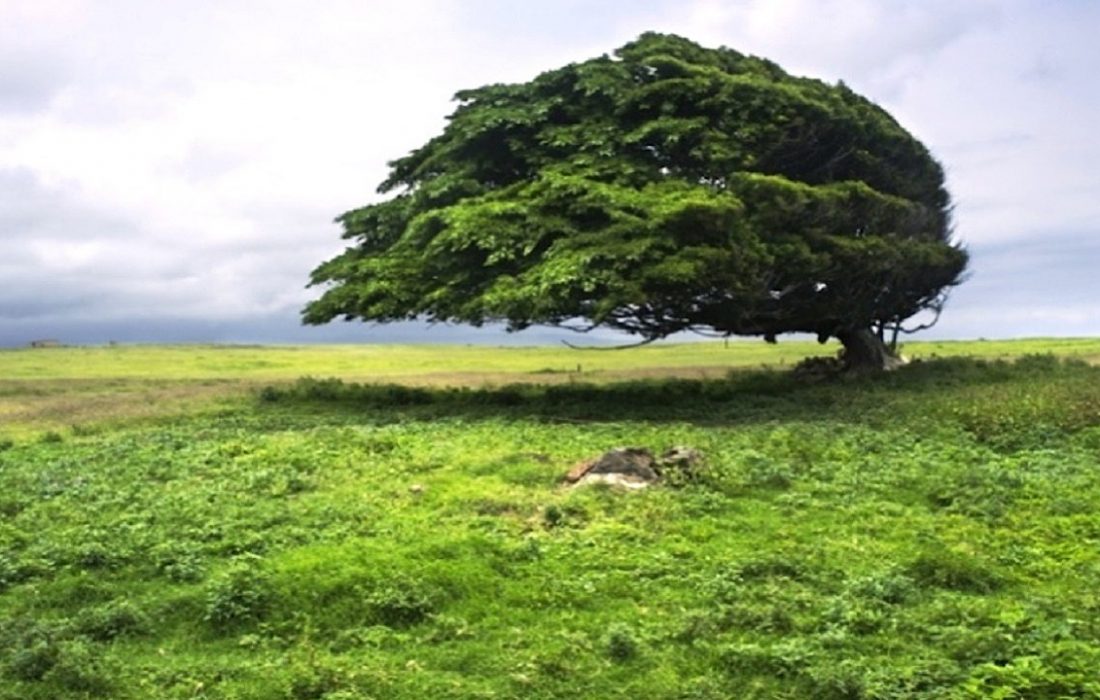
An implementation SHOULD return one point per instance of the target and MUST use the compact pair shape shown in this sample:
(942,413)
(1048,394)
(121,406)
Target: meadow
(358,522)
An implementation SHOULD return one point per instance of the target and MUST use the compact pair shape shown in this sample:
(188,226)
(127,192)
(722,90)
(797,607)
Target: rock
(416,489)
(633,467)
(625,480)
(628,461)
(680,457)
(579,470)
(680,465)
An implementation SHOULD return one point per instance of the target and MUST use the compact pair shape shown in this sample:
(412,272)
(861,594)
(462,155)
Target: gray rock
(632,467)
(681,465)
(636,467)
(680,457)
(628,461)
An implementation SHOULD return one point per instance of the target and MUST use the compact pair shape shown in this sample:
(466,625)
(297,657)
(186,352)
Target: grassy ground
(66,389)
(933,533)
(365,362)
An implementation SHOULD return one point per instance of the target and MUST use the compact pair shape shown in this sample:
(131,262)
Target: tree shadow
(744,396)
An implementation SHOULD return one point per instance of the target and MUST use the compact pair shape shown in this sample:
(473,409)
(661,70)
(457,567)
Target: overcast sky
(169,171)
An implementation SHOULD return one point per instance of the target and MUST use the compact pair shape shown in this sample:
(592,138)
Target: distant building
(49,343)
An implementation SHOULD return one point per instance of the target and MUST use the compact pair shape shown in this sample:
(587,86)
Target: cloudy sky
(169,171)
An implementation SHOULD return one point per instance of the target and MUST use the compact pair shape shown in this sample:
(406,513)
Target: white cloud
(853,40)
(297,106)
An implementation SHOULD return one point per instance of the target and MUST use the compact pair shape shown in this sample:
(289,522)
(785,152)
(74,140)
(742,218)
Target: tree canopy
(666,187)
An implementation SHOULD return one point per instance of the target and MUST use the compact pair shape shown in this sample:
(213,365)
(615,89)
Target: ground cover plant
(933,532)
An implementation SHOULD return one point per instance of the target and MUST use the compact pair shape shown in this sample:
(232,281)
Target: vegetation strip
(928,533)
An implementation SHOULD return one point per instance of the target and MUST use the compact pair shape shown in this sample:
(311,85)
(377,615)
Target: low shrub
(784,659)
(240,594)
(401,602)
(178,563)
(79,667)
(764,471)
(622,643)
(30,652)
(106,622)
(941,567)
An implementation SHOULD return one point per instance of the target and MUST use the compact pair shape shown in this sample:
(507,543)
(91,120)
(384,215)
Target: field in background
(198,523)
(462,362)
(58,389)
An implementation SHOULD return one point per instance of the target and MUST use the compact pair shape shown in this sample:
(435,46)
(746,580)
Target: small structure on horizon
(47,343)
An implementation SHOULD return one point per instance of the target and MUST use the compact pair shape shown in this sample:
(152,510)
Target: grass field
(61,389)
(196,522)
(438,362)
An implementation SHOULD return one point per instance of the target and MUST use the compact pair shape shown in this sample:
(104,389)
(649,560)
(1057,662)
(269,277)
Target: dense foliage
(667,187)
(931,533)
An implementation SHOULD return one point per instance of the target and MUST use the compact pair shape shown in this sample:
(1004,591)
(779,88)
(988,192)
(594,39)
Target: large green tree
(668,187)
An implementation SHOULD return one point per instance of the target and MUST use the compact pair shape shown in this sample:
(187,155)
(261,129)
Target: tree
(668,187)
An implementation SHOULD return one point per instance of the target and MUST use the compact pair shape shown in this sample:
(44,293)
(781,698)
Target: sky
(170,171)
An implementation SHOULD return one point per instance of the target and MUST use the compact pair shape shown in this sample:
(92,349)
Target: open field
(58,389)
(197,523)
(366,362)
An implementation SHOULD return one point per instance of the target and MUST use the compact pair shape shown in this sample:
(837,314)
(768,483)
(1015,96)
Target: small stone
(681,465)
(416,489)
(682,457)
(579,470)
(629,461)
(626,481)
(631,467)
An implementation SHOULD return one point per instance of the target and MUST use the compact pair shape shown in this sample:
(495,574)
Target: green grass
(364,362)
(91,388)
(932,533)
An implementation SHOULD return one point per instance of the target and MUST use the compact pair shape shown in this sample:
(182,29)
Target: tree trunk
(865,351)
